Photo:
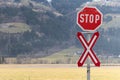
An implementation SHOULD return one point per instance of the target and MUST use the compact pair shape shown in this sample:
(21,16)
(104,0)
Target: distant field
(56,72)
(66,56)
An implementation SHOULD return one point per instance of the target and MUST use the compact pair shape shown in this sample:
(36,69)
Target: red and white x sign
(88,45)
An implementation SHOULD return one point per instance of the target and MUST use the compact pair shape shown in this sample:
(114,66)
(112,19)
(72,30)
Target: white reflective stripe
(84,42)
(91,46)
(93,57)
(88,49)
(93,40)
(85,54)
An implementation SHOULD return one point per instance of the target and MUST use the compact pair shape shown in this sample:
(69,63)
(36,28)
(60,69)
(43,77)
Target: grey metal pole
(88,60)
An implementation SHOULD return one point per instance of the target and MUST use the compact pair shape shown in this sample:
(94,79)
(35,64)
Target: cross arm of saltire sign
(88,45)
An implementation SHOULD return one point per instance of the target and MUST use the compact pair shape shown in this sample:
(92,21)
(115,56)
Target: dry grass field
(56,72)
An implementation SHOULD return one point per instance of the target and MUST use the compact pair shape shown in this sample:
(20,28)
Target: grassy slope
(15,27)
(64,55)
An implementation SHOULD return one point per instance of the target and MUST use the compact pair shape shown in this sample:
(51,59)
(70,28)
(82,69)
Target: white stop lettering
(89,18)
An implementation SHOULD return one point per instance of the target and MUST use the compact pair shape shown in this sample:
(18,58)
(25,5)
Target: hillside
(30,29)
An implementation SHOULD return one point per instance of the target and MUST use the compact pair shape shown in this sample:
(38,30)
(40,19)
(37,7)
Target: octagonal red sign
(89,18)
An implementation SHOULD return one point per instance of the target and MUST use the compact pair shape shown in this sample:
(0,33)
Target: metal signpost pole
(88,60)
(88,70)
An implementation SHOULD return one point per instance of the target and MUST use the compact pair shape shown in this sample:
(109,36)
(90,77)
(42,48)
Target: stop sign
(89,18)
